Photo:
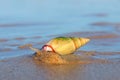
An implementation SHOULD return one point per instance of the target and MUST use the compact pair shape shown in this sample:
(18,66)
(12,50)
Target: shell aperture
(48,48)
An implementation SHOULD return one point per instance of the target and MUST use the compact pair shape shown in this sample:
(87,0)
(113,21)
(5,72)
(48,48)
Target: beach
(26,68)
(26,23)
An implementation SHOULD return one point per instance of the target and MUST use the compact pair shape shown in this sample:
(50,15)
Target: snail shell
(65,45)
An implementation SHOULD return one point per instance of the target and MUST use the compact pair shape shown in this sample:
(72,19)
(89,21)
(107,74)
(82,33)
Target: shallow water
(36,22)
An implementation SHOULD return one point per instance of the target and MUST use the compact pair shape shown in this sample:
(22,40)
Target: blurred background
(37,21)
(57,15)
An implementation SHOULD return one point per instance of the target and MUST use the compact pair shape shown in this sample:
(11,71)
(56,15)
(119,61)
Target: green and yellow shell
(65,45)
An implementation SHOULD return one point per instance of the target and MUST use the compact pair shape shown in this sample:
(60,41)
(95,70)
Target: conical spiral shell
(66,45)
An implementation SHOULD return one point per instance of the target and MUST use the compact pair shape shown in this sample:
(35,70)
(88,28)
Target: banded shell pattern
(65,45)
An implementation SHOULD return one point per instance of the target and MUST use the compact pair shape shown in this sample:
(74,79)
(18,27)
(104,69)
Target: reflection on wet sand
(36,37)
(18,42)
(24,38)
(106,24)
(20,38)
(96,15)
(25,46)
(105,36)
(102,24)
(14,45)
(80,34)
(3,40)
(117,28)
(96,53)
(26,24)
(5,49)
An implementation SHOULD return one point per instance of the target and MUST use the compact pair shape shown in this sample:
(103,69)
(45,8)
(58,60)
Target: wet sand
(26,68)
